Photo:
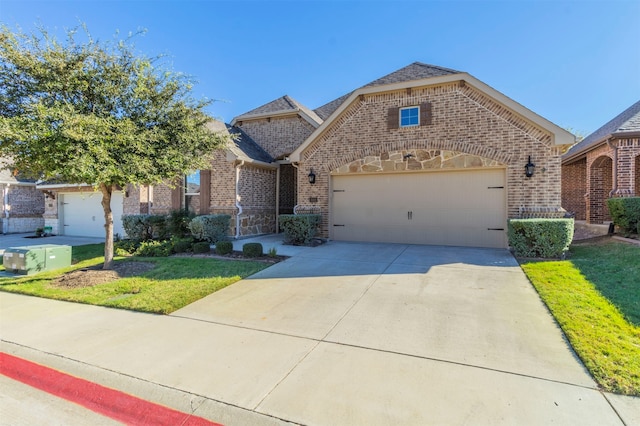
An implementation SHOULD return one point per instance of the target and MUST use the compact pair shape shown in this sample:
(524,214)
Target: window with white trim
(410,116)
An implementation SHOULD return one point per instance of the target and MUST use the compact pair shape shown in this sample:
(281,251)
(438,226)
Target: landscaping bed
(147,284)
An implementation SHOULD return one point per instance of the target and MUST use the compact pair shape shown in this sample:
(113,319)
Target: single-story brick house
(605,164)
(22,203)
(423,155)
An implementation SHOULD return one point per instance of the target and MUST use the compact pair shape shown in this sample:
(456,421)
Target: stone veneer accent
(416,159)
(467,126)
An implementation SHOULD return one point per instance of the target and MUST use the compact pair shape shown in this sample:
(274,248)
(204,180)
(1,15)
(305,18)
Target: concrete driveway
(343,333)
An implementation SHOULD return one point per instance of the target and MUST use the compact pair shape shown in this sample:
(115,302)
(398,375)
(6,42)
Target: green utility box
(33,259)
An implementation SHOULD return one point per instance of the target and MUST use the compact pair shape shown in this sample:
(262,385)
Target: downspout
(295,165)
(615,168)
(5,208)
(238,206)
(149,196)
(278,199)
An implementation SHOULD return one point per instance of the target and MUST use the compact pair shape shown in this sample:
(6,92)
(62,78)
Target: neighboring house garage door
(457,208)
(82,214)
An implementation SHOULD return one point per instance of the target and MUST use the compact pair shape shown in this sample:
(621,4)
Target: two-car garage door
(83,215)
(458,208)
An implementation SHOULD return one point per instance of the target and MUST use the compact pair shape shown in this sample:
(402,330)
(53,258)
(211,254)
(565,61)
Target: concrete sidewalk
(343,333)
(21,240)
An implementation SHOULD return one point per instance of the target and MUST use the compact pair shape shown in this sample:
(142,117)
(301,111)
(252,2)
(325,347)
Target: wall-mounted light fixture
(529,168)
(312,177)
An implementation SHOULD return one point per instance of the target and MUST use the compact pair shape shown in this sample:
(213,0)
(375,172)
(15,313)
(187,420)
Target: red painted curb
(106,401)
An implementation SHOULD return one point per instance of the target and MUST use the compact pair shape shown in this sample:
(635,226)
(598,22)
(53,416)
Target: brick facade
(574,176)
(607,170)
(24,209)
(468,129)
(279,136)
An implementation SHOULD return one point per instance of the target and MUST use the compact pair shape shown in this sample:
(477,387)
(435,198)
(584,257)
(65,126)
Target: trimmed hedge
(299,229)
(137,227)
(224,247)
(211,228)
(546,238)
(252,250)
(625,213)
(201,247)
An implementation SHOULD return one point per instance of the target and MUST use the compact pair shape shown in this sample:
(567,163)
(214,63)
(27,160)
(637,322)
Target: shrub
(201,247)
(211,228)
(625,212)
(137,227)
(181,245)
(178,223)
(273,252)
(540,237)
(299,229)
(252,249)
(224,247)
(154,249)
(157,224)
(125,247)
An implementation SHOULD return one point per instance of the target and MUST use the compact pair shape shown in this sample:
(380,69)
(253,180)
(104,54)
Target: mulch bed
(95,275)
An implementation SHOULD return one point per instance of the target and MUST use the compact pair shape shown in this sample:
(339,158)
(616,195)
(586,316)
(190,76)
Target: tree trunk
(108,225)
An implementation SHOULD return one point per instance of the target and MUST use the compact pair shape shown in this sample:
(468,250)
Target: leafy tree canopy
(92,112)
(97,113)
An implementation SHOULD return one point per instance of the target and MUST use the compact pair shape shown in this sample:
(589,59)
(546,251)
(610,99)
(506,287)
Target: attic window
(407,117)
(410,116)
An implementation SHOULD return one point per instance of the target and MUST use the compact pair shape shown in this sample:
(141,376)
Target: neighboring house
(22,204)
(605,164)
(77,209)
(423,155)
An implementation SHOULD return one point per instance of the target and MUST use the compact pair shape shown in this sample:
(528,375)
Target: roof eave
(62,185)
(572,156)
(560,137)
(280,113)
(231,157)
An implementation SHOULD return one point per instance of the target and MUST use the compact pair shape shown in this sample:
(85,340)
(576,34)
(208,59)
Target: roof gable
(625,122)
(241,145)
(418,74)
(285,105)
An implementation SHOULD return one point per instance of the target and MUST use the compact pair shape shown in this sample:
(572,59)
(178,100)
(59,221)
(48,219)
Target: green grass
(594,298)
(173,283)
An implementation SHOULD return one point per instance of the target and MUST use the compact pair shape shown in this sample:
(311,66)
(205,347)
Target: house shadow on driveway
(339,258)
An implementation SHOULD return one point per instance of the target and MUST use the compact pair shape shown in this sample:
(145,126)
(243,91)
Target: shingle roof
(412,72)
(283,104)
(627,121)
(241,145)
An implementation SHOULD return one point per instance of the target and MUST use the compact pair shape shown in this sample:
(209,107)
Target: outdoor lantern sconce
(528,168)
(312,177)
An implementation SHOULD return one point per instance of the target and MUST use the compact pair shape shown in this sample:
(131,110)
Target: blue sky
(576,63)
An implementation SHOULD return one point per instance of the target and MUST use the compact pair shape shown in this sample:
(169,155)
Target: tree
(95,113)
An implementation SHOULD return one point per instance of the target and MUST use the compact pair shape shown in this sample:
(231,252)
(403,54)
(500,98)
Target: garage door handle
(337,225)
(495,187)
(495,229)
(409,215)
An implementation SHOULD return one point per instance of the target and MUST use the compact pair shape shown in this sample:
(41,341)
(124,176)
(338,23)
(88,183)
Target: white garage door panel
(83,214)
(448,208)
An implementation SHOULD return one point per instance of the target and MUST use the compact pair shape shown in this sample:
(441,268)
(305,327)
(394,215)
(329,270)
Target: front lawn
(174,282)
(595,297)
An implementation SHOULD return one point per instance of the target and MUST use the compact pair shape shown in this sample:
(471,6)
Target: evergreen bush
(545,238)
